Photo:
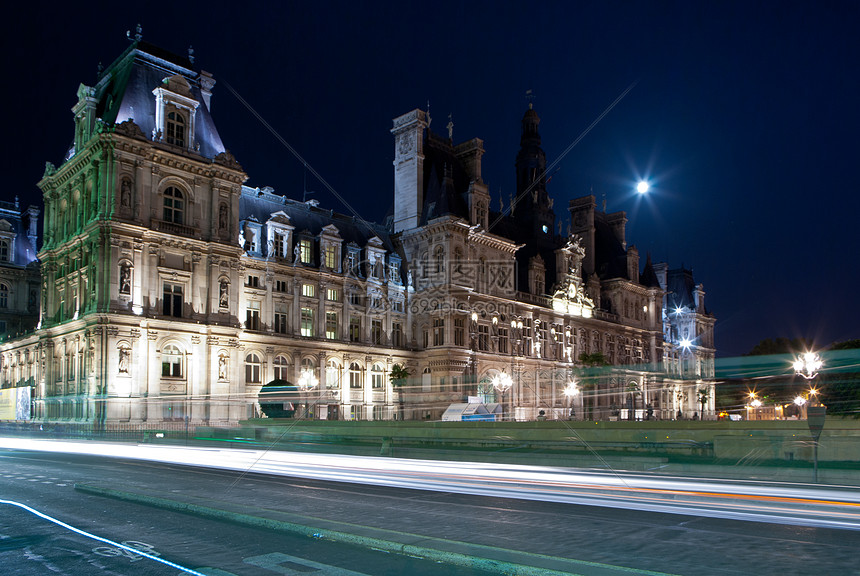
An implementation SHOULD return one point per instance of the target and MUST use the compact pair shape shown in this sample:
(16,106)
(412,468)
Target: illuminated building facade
(19,269)
(171,292)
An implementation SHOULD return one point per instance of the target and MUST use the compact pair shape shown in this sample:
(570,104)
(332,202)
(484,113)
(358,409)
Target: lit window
(175,129)
(305,251)
(330,257)
(174,205)
(332,294)
(252,369)
(281,366)
(307,322)
(308,290)
(172,304)
(331,331)
(171,362)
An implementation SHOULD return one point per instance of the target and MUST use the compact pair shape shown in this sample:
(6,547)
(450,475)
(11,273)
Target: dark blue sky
(744,118)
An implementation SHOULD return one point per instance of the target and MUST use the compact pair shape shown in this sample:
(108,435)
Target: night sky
(744,118)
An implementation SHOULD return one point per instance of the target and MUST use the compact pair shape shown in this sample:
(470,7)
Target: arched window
(439,256)
(252,369)
(4,296)
(332,374)
(175,129)
(174,205)
(377,377)
(355,375)
(171,361)
(281,365)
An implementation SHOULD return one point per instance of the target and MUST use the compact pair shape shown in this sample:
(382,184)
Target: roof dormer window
(175,110)
(175,129)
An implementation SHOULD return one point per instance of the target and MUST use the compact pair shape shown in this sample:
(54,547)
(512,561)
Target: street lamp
(502,382)
(808,365)
(571,390)
(307,380)
(642,187)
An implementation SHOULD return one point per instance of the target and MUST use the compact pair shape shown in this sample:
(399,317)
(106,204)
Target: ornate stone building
(171,292)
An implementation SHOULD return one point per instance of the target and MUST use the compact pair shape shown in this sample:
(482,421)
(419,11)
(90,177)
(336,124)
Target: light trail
(836,507)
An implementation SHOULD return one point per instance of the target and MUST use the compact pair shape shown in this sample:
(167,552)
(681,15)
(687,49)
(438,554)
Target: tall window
(4,296)
(175,129)
(331,331)
(503,340)
(171,362)
(459,331)
(172,303)
(305,251)
(174,205)
(332,294)
(281,367)
(397,334)
(438,331)
(483,337)
(280,325)
(307,322)
(4,250)
(376,331)
(354,329)
(332,374)
(309,290)
(377,377)
(278,245)
(252,316)
(355,379)
(330,256)
(252,369)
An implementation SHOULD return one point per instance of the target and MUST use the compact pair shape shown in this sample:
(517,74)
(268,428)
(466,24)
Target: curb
(491,559)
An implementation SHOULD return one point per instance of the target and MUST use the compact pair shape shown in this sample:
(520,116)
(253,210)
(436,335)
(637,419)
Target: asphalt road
(603,537)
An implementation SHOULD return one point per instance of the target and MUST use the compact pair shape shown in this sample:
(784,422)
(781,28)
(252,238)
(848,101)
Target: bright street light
(808,365)
(307,380)
(502,382)
(642,187)
(571,390)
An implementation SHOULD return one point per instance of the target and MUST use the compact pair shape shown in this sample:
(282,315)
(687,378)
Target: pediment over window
(279,217)
(178,85)
(5,226)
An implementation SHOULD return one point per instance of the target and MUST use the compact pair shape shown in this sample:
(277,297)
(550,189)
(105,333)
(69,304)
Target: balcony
(174,228)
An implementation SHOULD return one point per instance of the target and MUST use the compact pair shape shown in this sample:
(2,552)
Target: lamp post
(807,365)
(570,391)
(502,382)
(307,381)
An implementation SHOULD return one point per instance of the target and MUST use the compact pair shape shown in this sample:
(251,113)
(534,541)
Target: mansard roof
(445,180)
(680,286)
(259,205)
(124,92)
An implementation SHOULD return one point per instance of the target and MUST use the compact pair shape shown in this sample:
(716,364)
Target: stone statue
(222,217)
(125,195)
(124,355)
(222,368)
(223,298)
(124,279)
